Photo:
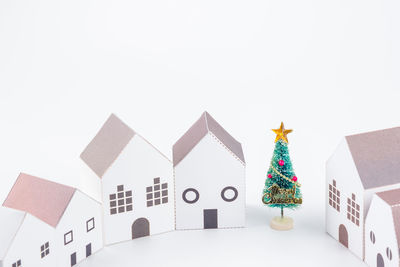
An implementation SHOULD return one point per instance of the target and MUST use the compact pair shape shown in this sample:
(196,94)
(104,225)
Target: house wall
(341,168)
(380,221)
(136,167)
(80,209)
(27,243)
(209,168)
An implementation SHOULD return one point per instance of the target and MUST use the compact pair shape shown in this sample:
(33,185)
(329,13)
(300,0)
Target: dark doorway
(343,236)
(379,261)
(210,218)
(140,228)
(88,250)
(73,259)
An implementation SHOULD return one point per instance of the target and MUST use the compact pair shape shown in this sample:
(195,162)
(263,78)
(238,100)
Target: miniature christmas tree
(281,186)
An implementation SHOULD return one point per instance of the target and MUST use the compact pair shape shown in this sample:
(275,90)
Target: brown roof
(106,146)
(377,156)
(392,198)
(43,199)
(202,126)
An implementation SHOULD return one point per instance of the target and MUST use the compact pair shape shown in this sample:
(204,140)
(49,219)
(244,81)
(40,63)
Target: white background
(326,68)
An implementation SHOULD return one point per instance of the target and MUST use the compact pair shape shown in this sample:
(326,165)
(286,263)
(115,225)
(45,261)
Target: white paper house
(209,169)
(361,165)
(382,230)
(136,181)
(48,224)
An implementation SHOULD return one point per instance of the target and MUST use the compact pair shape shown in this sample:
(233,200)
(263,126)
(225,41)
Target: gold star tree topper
(281,133)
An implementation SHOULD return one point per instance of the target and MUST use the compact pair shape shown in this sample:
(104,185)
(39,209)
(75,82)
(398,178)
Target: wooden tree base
(281,223)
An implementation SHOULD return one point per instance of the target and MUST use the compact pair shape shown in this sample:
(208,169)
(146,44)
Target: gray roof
(106,146)
(377,157)
(203,126)
(392,198)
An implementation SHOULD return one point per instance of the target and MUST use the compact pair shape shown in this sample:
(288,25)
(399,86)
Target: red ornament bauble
(294,178)
(281,163)
(269,176)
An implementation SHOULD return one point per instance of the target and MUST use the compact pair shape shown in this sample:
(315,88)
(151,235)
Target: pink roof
(377,156)
(41,198)
(106,146)
(202,126)
(392,198)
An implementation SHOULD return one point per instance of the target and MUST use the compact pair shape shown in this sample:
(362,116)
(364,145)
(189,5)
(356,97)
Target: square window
(165,200)
(121,202)
(112,196)
(90,225)
(165,193)
(149,196)
(157,194)
(113,204)
(164,186)
(149,189)
(149,203)
(121,195)
(353,196)
(129,207)
(157,180)
(128,193)
(330,194)
(120,188)
(157,202)
(113,211)
(42,255)
(129,200)
(348,216)
(45,250)
(121,209)
(156,187)
(330,202)
(334,182)
(334,198)
(348,201)
(334,190)
(338,193)
(353,204)
(330,187)
(68,238)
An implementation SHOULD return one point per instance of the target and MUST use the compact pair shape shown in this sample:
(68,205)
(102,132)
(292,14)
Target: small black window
(68,237)
(90,225)
(17,264)
(226,191)
(389,253)
(372,237)
(190,199)
(44,250)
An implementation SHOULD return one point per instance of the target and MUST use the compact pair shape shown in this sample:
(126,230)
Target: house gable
(106,146)
(204,125)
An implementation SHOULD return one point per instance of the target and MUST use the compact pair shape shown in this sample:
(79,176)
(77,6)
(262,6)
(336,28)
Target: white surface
(341,167)
(326,68)
(380,221)
(10,222)
(210,167)
(135,168)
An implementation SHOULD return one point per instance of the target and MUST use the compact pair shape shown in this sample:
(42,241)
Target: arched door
(343,236)
(140,228)
(379,261)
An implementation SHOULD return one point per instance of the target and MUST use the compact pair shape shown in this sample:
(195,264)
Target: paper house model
(48,224)
(136,180)
(361,165)
(209,169)
(382,230)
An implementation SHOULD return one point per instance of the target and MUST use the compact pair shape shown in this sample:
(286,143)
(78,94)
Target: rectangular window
(334,196)
(353,210)
(121,201)
(90,225)
(157,194)
(68,238)
(44,250)
(17,264)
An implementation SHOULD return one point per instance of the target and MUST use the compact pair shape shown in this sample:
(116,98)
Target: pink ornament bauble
(281,163)
(269,176)
(294,178)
